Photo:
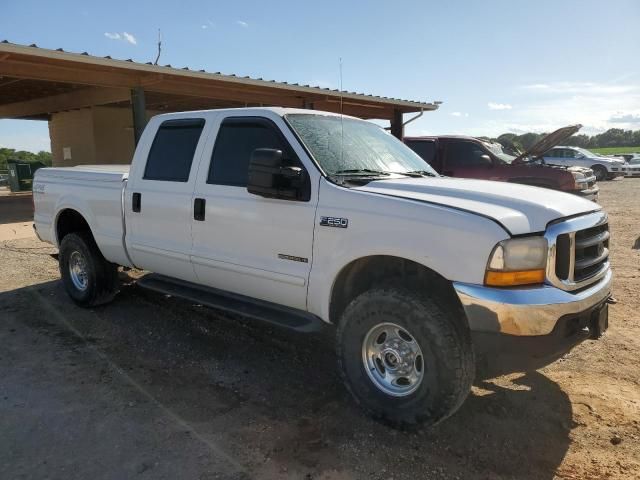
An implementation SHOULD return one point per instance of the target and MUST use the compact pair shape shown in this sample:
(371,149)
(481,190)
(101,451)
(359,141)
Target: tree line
(11,154)
(614,137)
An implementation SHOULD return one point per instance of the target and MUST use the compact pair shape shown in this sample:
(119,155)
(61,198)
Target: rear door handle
(136,202)
(199,208)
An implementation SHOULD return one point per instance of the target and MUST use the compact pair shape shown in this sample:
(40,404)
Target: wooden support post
(397,128)
(139,112)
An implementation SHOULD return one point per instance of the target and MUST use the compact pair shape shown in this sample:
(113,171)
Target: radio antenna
(159,47)
(341,121)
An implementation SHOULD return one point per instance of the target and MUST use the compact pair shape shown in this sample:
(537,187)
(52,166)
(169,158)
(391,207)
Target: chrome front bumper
(526,311)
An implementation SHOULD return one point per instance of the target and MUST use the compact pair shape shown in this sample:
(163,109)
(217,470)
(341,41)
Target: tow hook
(611,300)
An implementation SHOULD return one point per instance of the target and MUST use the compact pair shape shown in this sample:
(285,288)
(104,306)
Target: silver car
(633,166)
(605,168)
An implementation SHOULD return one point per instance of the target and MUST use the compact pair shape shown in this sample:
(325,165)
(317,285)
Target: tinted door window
(236,141)
(465,154)
(172,150)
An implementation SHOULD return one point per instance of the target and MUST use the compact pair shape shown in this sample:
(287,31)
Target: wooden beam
(362,111)
(85,97)
(67,74)
(9,82)
(217,91)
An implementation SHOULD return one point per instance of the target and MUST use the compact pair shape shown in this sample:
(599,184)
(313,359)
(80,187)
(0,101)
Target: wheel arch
(363,273)
(70,220)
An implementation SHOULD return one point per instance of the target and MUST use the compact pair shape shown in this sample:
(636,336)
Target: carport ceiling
(35,82)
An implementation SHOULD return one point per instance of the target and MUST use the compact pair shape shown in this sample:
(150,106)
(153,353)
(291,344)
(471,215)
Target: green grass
(615,150)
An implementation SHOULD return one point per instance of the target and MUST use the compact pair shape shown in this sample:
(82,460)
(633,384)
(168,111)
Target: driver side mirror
(271,177)
(486,161)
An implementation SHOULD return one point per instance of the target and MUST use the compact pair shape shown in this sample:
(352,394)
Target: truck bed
(90,173)
(94,191)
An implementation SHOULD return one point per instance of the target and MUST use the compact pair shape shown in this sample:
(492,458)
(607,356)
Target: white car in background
(633,166)
(605,168)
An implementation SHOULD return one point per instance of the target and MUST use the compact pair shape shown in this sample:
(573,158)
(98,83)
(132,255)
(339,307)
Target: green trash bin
(21,174)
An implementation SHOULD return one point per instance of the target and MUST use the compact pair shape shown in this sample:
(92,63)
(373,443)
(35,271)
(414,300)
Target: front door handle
(199,208)
(136,202)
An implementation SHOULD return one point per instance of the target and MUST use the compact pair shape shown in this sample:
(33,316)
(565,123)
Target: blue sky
(497,65)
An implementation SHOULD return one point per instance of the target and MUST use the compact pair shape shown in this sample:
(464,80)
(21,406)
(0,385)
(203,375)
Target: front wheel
(405,358)
(600,172)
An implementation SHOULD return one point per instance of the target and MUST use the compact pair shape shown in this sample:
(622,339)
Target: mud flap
(599,322)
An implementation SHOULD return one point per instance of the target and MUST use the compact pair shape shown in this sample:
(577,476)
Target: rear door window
(171,153)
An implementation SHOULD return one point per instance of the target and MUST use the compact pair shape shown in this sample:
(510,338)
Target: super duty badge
(334,222)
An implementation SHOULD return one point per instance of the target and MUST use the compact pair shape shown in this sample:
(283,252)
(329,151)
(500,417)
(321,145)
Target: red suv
(470,157)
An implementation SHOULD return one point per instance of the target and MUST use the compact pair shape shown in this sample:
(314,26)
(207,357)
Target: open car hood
(548,142)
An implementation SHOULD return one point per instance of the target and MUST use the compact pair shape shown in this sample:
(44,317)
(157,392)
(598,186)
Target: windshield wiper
(418,173)
(360,172)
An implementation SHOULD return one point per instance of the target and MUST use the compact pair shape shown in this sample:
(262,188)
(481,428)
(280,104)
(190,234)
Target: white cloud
(460,114)
(124,36)
(627,118)
(579,88)
(209,24)
(596,105)
(499,106)
(545,107)
(242,23)
(129,38)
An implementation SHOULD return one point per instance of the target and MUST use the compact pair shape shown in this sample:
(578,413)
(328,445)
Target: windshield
(501,152)
(354,146)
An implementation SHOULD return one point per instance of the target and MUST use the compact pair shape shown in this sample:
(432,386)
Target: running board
(268,312)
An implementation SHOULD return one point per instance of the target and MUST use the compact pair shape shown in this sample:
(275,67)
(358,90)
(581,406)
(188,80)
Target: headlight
(579,179)
(518,261)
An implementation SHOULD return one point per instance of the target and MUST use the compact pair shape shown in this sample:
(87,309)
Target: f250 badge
(334,222)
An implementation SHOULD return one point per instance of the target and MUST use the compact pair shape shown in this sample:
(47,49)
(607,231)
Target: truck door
(158,197)
(463,158)
(244,243)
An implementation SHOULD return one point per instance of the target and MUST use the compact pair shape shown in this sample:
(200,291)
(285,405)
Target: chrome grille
(578,251)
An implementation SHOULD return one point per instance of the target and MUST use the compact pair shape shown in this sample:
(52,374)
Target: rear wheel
(600,172)
(88,277)
(406,359)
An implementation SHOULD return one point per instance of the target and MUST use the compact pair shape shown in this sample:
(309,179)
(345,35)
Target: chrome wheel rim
(78,271)
(393,359)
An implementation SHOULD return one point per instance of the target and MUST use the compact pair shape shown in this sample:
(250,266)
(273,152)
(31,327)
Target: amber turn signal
(510,279)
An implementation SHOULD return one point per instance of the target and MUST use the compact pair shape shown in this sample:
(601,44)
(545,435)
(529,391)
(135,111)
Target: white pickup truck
(306,219)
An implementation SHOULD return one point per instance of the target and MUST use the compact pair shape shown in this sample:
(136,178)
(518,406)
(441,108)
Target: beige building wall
(113,135)
(90,136)
(71,135)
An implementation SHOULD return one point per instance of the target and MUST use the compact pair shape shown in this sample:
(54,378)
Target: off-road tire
(600,172)
(101,276)
(444,338)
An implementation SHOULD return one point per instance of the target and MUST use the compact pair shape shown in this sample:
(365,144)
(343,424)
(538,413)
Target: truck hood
(520,209)
(548,142)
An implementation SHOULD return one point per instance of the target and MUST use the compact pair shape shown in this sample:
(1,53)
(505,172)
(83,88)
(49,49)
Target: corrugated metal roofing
(128,63)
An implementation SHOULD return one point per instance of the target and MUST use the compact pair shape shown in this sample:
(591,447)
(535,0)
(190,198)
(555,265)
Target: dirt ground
(153,387)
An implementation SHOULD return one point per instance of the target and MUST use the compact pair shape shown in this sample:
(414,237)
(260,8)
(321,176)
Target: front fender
(453,243)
